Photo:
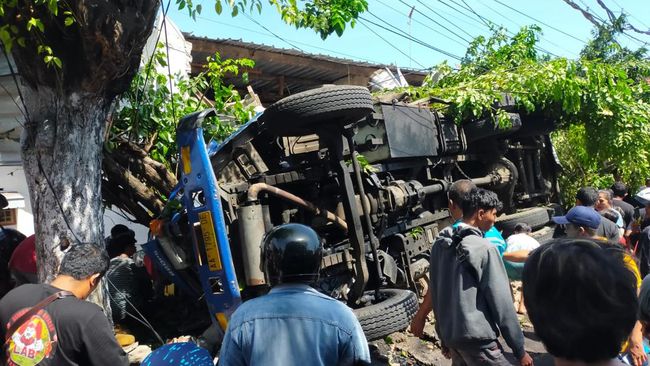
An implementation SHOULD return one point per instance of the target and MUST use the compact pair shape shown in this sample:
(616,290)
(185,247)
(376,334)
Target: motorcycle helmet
(292,253)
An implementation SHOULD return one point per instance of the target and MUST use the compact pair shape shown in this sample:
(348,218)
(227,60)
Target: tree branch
(137,191)
(585,12)
(610,14)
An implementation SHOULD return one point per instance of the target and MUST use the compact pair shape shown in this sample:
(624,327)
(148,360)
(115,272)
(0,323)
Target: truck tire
(303,112)
(536,217)
(391,315)
(543,235)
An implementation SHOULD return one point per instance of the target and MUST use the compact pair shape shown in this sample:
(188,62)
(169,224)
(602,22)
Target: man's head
(292,254)
(587,196)
(619,189)
(121,241)
(457,194)
(604,200)
(481,207)
(580,311)
(647,182)
(85,264)
(523,228)
(580,221)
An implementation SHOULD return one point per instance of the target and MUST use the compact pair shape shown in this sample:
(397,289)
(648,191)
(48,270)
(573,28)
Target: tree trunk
(66,111)
(62,151)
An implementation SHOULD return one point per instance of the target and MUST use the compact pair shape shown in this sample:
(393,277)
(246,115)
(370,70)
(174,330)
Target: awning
(14,199)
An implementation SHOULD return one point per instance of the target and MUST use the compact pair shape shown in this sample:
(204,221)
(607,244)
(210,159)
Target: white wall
(12,179)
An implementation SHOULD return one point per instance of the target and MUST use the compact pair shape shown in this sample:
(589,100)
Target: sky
(440,29)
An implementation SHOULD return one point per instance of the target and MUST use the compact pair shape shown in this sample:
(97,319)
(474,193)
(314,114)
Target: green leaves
(35,22)
(149,111)
(323,16)
(602,103)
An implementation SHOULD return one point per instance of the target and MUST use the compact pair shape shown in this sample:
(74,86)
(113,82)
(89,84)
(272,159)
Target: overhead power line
(391,44)
(406,36)
(488,23)
(435,22)
(425,25)
(291,40)
(447,20)
(539,21)
(271,32)
(520,25)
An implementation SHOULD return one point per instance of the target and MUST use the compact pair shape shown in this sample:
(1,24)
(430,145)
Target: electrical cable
(390,44)
(406,36)
(146,78)
(539,21)
(484,20)
(520,26)
(268,30)
(144,320)
(292,41)
(442,17)
(489,24)
(169,70)
(425,25)
(13,76)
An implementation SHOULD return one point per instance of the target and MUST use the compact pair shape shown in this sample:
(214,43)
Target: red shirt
(23,258)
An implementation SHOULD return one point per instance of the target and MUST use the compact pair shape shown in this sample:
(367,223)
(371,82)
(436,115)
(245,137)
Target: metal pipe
(488,179)
(373,239)
(251,231)
(256,188)
(434,188)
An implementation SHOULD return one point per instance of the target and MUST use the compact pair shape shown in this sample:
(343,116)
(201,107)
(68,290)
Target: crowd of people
(583,292)
(579,290)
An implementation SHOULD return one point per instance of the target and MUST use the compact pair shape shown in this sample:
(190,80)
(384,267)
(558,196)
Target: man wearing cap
(587,197)
(583,222)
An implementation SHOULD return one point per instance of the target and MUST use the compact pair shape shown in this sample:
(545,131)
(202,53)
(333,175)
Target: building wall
(12,179)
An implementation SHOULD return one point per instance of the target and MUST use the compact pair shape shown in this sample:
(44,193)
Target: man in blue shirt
(294,324)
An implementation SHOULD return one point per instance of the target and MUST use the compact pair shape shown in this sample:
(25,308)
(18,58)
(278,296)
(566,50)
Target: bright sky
(445,25)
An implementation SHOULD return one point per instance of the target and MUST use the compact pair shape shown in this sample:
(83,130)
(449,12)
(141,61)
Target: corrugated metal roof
(279,72)
(286,51)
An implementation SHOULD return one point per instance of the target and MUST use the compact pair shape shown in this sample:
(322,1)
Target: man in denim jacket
(294,324)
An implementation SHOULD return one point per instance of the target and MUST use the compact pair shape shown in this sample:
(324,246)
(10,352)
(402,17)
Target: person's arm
(420,318)
(100,344)
(495,287)
(635,347)
(518,256)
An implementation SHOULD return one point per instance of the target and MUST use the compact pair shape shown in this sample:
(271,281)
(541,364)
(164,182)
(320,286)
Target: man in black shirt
(620,191)
(67,331)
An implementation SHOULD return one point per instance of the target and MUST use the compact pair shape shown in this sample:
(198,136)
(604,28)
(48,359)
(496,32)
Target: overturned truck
(369,176)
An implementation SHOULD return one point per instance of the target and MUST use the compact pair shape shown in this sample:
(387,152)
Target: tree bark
(66,110)
(61,148)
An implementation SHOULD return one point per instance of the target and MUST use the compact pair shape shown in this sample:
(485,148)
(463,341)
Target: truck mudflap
(200,196)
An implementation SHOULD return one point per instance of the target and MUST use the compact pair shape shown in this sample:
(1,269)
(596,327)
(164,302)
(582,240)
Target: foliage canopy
(600,102)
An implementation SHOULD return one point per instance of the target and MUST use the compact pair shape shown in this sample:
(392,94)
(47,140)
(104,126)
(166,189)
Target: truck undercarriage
(370,177)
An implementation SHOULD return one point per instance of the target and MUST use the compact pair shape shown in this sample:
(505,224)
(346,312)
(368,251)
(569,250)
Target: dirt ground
(402,348)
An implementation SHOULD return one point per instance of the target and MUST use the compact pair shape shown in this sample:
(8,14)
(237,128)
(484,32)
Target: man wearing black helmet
(294,324)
